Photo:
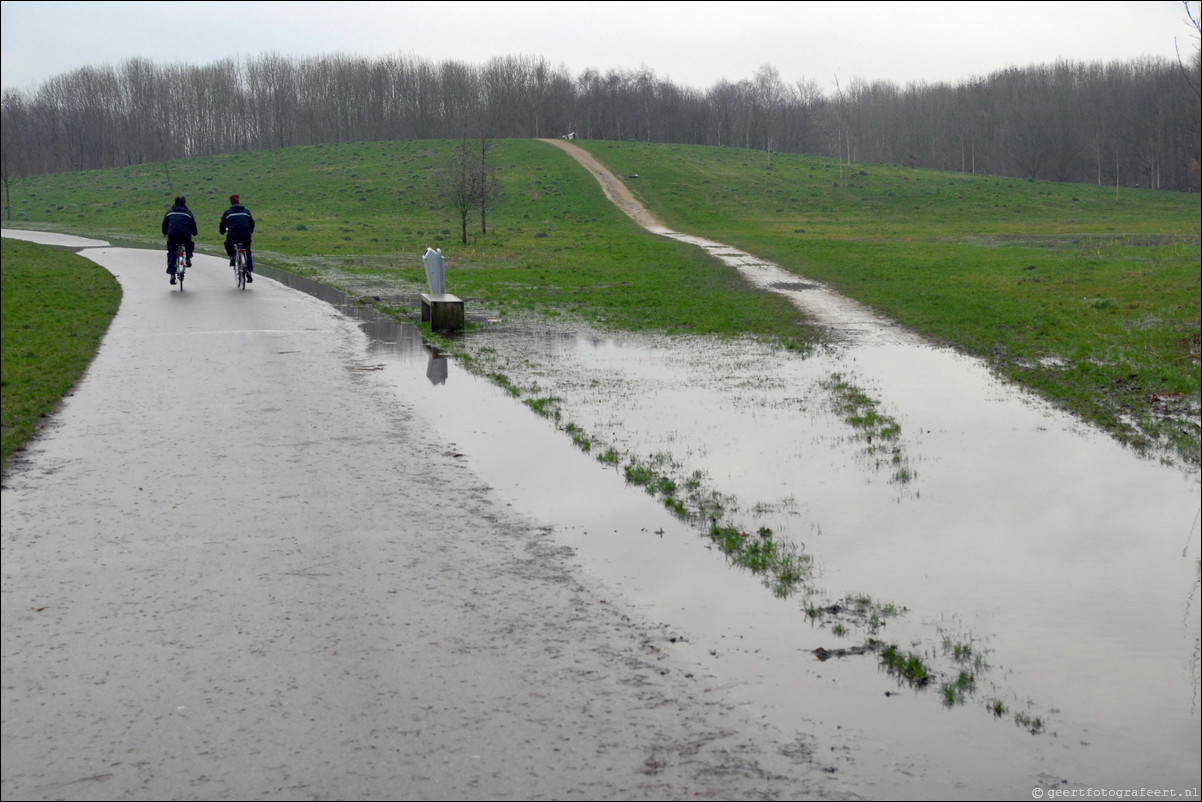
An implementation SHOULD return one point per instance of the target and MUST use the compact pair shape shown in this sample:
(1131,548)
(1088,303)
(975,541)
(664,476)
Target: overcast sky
(694,44)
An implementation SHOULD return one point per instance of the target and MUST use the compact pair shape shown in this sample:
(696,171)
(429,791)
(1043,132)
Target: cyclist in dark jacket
(238,224)
(180,227)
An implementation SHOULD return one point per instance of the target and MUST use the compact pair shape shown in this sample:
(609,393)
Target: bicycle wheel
(240,269)
(181,265)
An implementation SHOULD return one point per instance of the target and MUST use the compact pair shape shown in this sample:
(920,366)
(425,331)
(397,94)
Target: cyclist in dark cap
(238,224)
(180,227)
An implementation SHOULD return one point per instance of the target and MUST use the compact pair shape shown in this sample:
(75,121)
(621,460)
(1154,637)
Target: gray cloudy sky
(691,43)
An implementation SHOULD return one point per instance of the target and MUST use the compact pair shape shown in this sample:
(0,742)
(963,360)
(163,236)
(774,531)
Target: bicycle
(181,264)
(240,265)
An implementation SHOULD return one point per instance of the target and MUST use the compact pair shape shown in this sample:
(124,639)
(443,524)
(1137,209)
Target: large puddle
(1009,543)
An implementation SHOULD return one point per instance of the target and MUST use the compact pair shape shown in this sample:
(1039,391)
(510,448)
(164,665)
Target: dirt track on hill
(614,189)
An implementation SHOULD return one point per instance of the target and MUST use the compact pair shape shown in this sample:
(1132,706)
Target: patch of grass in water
(954,692)
(546,407)
(578,436)
(782,564)
(503,382)
(1030,723)
(858,610)
(879,432)
(910,667)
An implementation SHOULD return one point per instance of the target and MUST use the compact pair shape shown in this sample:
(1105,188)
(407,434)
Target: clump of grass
(502,381)
(783,564)
(879,433)
(638,474)
(964,652)
(579,437)
(909,667)
(1032,724)
(856,609)
(546,407)
(955,691)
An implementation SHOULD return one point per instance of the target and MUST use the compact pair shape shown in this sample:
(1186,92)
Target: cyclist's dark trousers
(172,244)
(229,248)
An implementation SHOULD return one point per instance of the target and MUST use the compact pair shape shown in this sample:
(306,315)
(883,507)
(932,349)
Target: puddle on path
(1068,563)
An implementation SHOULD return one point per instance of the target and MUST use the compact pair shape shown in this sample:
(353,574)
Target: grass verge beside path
(56,306)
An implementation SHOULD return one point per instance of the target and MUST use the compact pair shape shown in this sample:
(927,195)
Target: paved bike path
(236,566)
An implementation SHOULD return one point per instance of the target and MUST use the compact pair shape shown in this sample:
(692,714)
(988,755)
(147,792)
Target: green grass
(367,211)
(1091,300)
(879,434)
(906,666)
(55,308)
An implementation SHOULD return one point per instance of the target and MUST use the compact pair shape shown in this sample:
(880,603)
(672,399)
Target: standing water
(1045,577)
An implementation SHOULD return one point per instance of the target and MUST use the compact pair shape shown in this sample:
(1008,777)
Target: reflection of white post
(436,370)
(436,274)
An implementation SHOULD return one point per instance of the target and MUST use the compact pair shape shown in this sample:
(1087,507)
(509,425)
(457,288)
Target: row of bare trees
(1134,123)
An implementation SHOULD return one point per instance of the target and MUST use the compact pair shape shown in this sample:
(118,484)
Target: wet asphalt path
(236,567)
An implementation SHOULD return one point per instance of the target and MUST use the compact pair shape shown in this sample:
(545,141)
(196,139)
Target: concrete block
(444,312)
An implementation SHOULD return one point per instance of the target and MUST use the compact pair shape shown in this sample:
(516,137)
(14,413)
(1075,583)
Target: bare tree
(484,179)
(1193,15)
(463,193)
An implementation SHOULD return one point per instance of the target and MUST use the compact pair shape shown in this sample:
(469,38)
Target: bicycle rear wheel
(181,265)
(240,268)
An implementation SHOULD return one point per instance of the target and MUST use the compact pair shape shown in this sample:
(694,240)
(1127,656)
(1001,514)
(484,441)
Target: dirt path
(838,318)
(236,567)
(614,189)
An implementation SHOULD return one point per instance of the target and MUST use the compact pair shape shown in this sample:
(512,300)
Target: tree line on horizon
(1134,123)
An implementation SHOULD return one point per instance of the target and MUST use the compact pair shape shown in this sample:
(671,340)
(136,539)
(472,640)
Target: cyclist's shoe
(172,278)
(188,263)
(231,262)
(249,277)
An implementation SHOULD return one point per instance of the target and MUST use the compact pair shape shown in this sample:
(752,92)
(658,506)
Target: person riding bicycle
(238,224)
(179,225)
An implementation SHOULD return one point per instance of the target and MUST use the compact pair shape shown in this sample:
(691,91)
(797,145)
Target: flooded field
(1045,579)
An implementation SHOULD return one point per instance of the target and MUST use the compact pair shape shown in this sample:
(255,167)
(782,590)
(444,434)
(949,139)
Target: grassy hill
(1087,295)
(364,213)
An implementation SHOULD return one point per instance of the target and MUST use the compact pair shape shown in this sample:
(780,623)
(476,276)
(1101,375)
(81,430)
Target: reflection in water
(436,369)
(1029,537)
(387,335)
(1025,548)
